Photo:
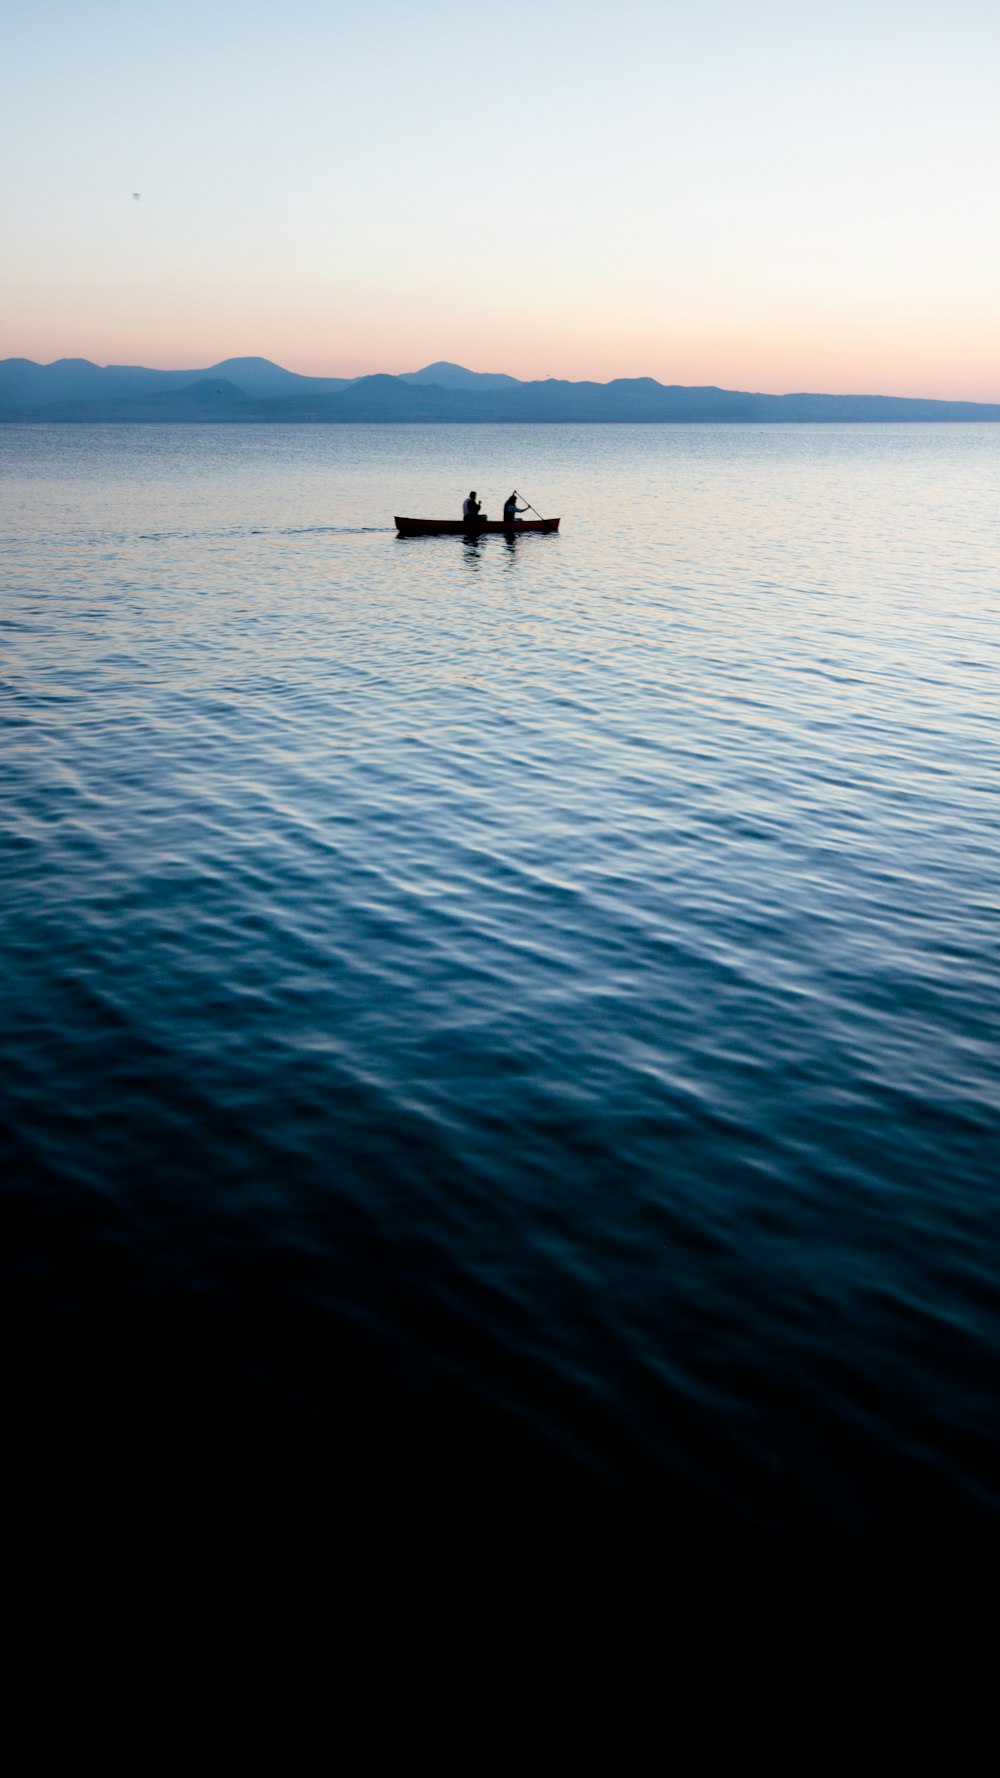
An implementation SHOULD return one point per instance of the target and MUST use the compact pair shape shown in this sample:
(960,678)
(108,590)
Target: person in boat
(511,509)
(471,508)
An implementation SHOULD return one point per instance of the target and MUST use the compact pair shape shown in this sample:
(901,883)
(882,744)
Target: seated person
(511,509)
(471,508)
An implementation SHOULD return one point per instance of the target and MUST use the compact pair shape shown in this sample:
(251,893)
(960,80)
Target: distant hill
(30,387)
(210,399)
(455,376)
(258,376)
(27,385)
(255,391)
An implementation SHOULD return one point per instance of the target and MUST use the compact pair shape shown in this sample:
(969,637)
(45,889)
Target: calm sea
(505,1034)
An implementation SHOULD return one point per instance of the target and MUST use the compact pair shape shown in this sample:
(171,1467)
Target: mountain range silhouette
(253,390)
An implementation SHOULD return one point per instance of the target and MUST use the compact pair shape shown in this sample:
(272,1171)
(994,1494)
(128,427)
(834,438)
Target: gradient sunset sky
(781,197)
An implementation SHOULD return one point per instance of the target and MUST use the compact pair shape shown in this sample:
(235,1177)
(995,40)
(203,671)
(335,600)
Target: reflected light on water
(514,1020)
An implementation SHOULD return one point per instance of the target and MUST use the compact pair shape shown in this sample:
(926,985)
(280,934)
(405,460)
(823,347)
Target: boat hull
(470,527)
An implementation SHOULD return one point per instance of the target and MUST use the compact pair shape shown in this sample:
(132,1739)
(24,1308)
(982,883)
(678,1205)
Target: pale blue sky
(770,197)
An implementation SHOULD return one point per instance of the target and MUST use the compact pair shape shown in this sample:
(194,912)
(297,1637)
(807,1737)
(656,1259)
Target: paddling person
(511,509)
(471,509)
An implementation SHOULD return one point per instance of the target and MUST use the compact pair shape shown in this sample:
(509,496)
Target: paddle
(528,504)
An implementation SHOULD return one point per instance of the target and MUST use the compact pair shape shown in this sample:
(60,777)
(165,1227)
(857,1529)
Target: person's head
(472,493)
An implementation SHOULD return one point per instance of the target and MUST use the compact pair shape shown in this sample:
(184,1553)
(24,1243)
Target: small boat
(470,527)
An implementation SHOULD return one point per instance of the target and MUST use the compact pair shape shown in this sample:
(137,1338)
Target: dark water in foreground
(505,1035)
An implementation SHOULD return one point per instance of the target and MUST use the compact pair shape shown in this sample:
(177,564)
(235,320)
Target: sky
(777,197)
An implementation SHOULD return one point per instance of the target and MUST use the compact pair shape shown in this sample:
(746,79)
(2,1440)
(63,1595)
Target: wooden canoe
(470,527)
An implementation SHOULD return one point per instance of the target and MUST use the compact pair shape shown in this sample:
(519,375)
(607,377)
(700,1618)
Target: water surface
(510,1028)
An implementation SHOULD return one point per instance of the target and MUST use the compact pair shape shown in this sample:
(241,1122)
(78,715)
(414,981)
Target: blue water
(509,1029)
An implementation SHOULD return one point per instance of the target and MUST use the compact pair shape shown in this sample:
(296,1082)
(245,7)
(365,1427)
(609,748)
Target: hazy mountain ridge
(242,390)
(455,376)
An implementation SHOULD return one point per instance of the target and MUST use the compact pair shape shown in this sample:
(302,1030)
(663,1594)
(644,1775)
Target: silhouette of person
(511,509)
(471,507)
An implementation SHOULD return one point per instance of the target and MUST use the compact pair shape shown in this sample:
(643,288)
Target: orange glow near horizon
(756,337)
(904,357)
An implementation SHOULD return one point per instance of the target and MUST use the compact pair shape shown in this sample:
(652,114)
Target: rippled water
(509,1029)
